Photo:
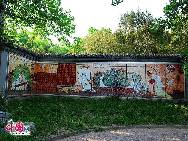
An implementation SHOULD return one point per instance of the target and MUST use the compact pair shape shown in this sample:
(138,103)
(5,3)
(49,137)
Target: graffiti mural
(135,82)
(54,78)
(114,78)
(155,74)
(21,78)
(46,68)
(136,78)
(100,78)
(165,80)
(110,78)
(15,60)
(155,85)
(109,75)
(120,78)
(84,76)
(174,81)
(20,73)
(143,80)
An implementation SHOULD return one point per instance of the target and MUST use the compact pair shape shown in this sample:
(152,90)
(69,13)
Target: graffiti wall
(97,78)
(129,79)
(37,77)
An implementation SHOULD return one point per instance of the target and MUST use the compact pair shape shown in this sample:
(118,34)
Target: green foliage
(176,13)
(101,42)
(92,30)
(56,49)
(45,15)
(29,24)
(140,33)
(135,20)
(116,2)
(53,115)
(77,47)
(33,40)
(68,48)
(29,38)
(133,32)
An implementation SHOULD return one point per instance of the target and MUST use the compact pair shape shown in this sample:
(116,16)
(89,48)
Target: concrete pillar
(4,57)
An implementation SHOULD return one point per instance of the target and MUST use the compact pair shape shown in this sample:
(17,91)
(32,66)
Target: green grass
(74,115)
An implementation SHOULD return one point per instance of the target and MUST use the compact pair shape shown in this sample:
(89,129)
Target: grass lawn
(66,115)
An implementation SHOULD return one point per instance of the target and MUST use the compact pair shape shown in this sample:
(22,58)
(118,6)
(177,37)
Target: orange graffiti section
(53,78)
(175,80)
(47,68)
(38,68)
(166,79)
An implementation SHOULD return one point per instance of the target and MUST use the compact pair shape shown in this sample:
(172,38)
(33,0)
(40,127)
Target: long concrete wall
(133,79)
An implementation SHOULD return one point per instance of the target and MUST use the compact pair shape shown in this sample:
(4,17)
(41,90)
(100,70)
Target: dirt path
(135,134)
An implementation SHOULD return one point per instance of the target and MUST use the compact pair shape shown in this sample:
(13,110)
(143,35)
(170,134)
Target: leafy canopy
(46,15)
(101,41)
(30,23)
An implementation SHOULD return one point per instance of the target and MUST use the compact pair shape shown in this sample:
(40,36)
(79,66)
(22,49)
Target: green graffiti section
(20,73)
(115,78)
(21,78)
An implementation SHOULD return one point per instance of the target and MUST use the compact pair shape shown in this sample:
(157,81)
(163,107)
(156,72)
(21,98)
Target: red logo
(19,127)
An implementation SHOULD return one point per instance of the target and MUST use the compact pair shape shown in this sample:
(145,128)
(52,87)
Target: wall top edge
(122,62)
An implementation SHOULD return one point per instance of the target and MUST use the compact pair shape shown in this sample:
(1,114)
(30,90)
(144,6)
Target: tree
(77,47)
(176,13)
(116,2)
(134,20)
(140,33)
(176,22)
(92,30)
(101,42)
(46,15)
(29,23)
